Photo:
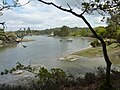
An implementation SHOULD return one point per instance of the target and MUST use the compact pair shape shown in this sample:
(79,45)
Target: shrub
(90,78)
(95,43)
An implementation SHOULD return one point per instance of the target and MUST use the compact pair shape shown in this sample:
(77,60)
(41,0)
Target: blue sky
(39,16)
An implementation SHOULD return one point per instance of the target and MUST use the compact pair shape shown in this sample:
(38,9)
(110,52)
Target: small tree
(110,7)
(64,31)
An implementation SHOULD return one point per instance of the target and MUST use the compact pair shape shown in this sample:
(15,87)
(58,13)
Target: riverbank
(15,42)
(72,56)
(94,53)
(97,51)
(24,40)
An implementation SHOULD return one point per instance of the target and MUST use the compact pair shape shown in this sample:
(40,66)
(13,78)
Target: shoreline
(92,53)
(7,44)
(2,45)
(72,56)
(71,53)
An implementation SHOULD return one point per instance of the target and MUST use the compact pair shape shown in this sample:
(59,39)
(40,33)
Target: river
(45,51)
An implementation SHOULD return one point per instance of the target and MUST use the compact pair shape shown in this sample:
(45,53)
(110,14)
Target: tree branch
(83,18)
(14,5)
(63,9)
(69,7)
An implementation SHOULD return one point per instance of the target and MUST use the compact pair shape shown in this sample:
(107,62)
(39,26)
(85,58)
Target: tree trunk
(108,62)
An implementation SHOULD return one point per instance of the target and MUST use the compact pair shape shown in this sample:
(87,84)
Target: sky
(39,16)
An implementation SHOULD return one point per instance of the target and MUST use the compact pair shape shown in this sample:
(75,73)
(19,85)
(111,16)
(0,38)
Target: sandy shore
(71,56)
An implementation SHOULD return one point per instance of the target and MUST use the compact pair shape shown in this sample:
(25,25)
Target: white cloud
(39,16)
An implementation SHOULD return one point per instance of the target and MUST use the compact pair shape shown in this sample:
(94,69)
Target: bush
(95,43)
(90,78)
(101,73)
(51,80)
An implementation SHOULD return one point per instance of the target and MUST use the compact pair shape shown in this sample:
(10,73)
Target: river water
(45,51)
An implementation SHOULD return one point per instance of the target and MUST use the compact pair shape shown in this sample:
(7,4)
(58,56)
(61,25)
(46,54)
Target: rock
(1,42)
(1,45)
(18,72)
(70,58)
(61,59)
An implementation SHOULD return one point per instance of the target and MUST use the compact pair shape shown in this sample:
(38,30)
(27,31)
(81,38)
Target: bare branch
(60,7)
(69,7)
(83,11)
(14,5)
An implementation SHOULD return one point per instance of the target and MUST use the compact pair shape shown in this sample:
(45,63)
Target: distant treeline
(108,32)
(60,31)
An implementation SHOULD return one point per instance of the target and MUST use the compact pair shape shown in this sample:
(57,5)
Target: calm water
(45,51)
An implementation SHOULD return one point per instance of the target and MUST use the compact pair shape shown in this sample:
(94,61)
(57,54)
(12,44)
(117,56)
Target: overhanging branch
(14,5)
(70,10)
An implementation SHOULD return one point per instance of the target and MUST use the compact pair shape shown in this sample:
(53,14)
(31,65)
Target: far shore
(24,40)
(14,43)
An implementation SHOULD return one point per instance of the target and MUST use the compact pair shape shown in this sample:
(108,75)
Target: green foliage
(2,33)
(113,28)
(56,75)
(90,78)
(95,43)
(118,38)
(10,37)
(101,6)
(64,31)
(18,66)
(102,86)
(84,32)
(56,79)
(75,33)
(101,73)
(97,1)
(44,75)
(51,80)
(101,31)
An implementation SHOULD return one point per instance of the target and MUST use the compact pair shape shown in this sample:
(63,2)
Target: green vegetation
(57,79)
(64,31)
(97,51)
(60,31)
(7,37)
(111,7)
(101,31)
(1,34)
(104,32)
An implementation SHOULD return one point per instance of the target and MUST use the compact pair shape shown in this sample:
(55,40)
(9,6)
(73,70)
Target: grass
(97,51)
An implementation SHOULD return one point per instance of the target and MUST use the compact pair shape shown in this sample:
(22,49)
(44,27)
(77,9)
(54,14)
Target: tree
(113,26)
(64,31)
(101,31)
(111,7)
(111,30)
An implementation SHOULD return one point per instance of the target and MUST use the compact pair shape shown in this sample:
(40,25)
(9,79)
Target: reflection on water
(8,47)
